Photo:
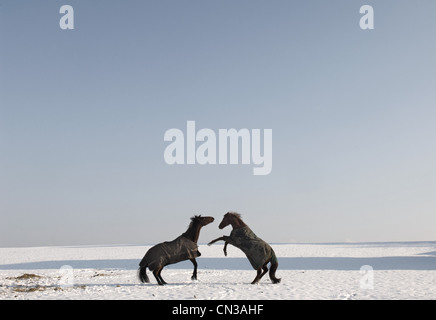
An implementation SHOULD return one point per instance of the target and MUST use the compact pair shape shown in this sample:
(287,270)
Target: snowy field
(404,270)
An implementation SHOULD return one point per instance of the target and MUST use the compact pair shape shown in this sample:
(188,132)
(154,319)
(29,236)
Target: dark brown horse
(258,252)
(182,248)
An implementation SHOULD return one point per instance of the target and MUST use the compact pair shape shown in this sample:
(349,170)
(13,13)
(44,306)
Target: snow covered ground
(405,270)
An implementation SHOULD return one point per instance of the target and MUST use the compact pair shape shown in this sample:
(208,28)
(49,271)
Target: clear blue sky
(83,113)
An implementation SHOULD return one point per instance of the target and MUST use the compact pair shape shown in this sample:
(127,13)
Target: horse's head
(230,218)
(203,221)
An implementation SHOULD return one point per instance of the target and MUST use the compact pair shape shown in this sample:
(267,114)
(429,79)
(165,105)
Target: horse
(258,252)
(182,248)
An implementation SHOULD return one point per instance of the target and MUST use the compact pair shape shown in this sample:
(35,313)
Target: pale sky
(83,114)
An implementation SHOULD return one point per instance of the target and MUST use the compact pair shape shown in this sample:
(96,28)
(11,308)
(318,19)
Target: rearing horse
(182,248)
(258,252)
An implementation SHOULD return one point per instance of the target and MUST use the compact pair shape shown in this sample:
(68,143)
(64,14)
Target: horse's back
(170,252)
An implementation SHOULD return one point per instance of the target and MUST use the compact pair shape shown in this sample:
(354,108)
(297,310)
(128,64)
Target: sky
(83,113)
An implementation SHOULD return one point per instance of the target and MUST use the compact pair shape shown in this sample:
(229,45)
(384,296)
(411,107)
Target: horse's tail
(142,274)
(272,270)
(142,271)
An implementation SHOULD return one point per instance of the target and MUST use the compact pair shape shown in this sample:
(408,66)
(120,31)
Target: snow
(400,270)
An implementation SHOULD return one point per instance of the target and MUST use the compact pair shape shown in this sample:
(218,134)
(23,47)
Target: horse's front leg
(194,274)
(223,238)
(217,239)
(225,248)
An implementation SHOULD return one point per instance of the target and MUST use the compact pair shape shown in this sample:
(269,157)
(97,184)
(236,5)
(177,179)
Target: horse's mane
(235,214)
(194,219)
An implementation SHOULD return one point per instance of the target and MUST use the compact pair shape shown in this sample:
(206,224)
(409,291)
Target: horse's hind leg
(265,270)
(256,280)
(194,274)
(260,274)
(158,277)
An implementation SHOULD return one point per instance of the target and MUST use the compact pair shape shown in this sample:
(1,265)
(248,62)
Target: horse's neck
(236,224)
(193,232)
